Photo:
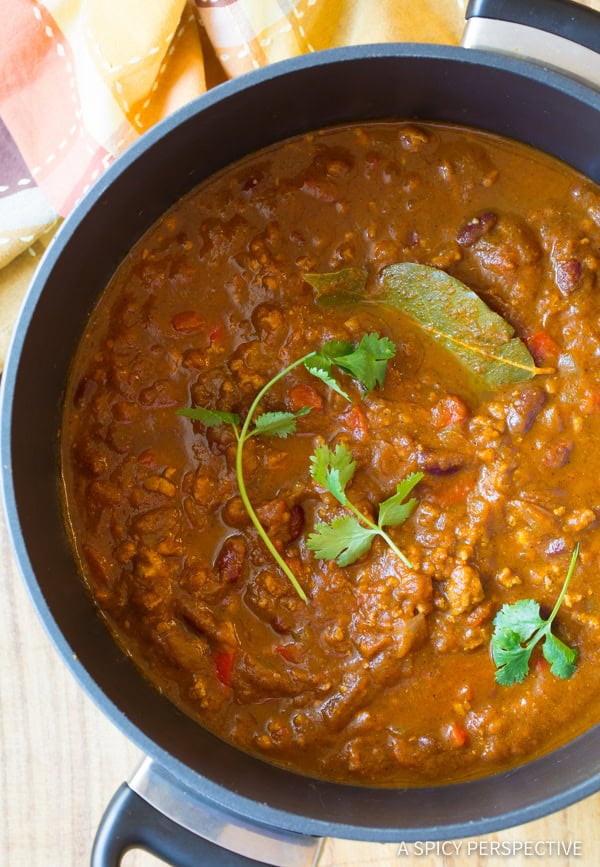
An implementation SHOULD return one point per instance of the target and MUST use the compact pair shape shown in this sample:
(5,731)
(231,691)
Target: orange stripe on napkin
(39,102)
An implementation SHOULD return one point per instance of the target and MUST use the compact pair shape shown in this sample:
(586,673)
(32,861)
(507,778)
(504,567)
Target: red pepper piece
(148,458)
(449,410)
(355,421)
(217,334)
(456,735)
(224,666)
(304,395)
(456,491)
(290,652)
(542,347)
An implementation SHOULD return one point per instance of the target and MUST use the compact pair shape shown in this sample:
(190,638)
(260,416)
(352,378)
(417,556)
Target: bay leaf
(481,340)
(338,287)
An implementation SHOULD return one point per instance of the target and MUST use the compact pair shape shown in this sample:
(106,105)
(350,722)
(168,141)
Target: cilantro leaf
(519,627)
(209,417)
(562,658)
(368,362)
(394,510)
(344,540)
(333,349)
(279,424)
(320,366)
(333,469)
(511,658)
(335,485)
(521,618)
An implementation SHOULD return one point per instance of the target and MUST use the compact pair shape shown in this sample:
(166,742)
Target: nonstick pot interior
(346,85)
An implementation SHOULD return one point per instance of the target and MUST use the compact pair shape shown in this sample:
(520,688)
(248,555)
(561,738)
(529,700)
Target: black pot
(196,780)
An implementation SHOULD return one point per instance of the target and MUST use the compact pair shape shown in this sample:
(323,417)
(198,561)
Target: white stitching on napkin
(177,35)
(118,67)
(22,182)
(133,61)
(26,239)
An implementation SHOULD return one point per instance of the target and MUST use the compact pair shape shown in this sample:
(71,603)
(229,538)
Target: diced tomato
(290,652)
(449,410)
(455,491)
(590,402)
(356,422)
(224,666)
(217,334)
(186,321)
(456,735)
(304,395)
(148,458)
(542,347)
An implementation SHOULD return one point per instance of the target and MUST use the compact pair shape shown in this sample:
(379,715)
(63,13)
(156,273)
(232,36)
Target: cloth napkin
(80,80)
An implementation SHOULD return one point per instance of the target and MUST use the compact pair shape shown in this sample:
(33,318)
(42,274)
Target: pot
(194,788)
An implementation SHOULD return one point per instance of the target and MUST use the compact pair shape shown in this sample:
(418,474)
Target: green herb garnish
(519,627)
(366,363)
(348,537)
(482,342)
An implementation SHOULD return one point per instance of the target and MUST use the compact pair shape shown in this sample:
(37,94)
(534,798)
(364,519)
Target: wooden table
(61,761)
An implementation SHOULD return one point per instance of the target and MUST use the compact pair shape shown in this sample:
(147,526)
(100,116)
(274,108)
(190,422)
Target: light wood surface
(61,761)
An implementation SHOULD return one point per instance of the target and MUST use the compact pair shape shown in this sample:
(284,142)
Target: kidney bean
(476,229)
(296,522)
(558,454)
(439,463)
(525,408)
(567,274)
(84,392)
(250,183)
(231,558)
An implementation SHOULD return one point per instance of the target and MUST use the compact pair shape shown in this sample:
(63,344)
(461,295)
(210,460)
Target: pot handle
(130,822)
(558,34)
(156,811)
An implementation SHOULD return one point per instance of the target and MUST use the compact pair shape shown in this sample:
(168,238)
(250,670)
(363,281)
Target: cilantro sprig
(517,630)
(348,537)
(277,424)
(366,363)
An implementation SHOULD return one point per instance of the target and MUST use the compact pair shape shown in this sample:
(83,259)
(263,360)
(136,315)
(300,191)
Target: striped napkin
(80,80)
